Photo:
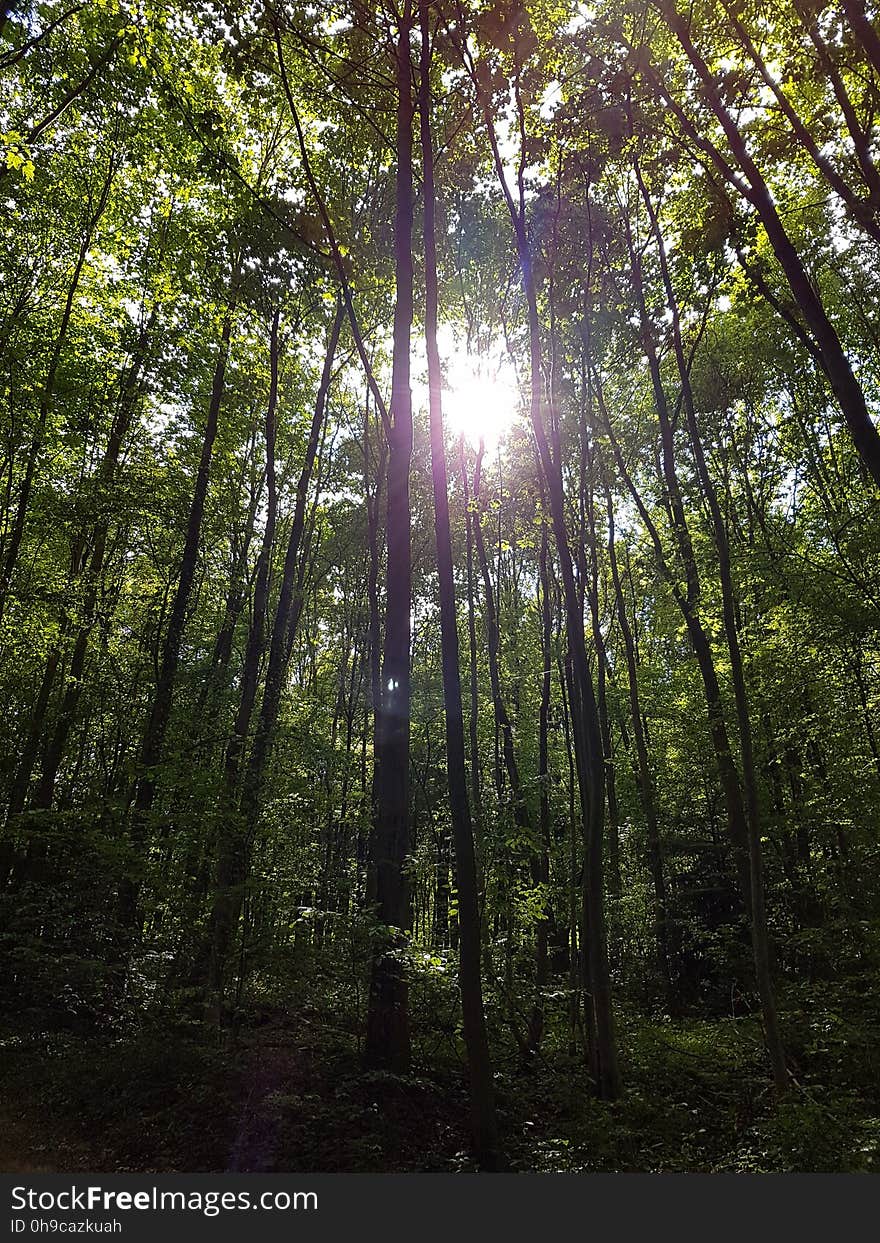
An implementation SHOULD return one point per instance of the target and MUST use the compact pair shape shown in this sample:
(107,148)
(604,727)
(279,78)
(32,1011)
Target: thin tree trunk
(289,605)
(46,396)
(130,389)
(645,776)
(231,842)
(541,872)
(758,923)
(586,733)
(485,1129)
(153,743)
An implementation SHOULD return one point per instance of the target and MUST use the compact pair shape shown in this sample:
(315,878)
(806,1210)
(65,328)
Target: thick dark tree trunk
(388,1040)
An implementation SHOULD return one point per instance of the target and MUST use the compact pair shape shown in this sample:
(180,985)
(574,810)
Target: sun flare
(480,399)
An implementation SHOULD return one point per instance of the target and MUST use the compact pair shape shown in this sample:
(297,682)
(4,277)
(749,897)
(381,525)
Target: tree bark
(585,728)
(485,1130)
(388,1037)
(645,775)
(846,388)
(156,729)
(758,922)
(231,842)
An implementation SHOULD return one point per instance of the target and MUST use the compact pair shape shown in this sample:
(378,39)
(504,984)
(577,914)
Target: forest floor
(290,1095)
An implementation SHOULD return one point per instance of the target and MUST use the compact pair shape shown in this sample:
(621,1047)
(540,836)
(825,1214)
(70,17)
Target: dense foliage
(282,782)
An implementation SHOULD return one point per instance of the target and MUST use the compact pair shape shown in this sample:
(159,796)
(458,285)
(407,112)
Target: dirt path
(255,1147)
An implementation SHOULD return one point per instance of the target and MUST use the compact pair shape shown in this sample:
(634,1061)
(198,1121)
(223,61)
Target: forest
(440,585)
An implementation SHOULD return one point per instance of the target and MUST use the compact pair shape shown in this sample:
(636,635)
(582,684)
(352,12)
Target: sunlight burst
(480,398)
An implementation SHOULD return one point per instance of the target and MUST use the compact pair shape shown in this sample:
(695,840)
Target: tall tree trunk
(372,501)
(476,775)
(541,869)
(585,728)
(758,923)
(156,729)
(388,1038)
(644,773)
(590,576)
(485,1130)
(119,430)
(231,841)
(47,394)
(288,608)
(737,817)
